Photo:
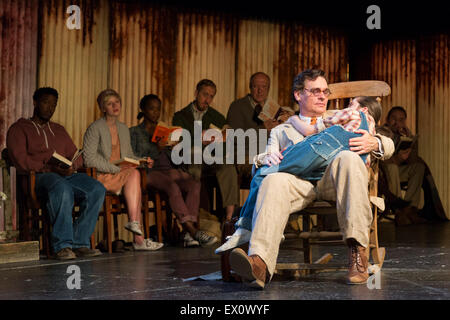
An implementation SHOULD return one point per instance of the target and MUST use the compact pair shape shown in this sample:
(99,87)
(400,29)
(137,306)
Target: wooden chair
(114,205)
(313,234)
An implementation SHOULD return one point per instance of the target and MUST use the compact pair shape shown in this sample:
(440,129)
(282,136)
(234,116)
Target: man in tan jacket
(344,181)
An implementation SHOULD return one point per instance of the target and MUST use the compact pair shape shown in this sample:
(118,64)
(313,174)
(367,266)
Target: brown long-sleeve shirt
(31,145)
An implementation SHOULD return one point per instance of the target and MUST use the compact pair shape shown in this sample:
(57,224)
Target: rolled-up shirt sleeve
(386,147)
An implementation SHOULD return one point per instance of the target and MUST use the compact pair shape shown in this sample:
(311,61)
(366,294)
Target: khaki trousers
(227,180)
(345,181)
(413,173)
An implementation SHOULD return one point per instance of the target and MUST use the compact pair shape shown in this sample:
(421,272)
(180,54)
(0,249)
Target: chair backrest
(352,89)
(6,158)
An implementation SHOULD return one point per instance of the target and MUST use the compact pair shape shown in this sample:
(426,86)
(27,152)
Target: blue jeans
(61,193)
(307,160)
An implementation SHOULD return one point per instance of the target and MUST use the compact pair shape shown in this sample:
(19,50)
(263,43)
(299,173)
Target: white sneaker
(189,241)
(204,238)
(238,238)
(134,226)
(147,245)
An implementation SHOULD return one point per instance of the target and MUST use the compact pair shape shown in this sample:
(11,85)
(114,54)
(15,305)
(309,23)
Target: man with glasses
(282,193)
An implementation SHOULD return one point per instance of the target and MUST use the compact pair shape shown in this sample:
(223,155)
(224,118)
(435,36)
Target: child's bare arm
(301,126)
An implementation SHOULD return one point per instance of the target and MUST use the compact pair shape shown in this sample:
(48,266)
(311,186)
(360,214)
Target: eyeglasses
(316,92)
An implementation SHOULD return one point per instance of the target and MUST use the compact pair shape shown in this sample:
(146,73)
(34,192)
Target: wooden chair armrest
(143,174)
(32,189)
(83,170)
(90,171)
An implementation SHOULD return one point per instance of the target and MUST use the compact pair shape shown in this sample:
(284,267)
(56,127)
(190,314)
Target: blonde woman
(105,141)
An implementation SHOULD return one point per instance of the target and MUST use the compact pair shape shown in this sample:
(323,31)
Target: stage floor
(417,266)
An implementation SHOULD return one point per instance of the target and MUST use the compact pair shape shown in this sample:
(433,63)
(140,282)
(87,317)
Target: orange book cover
(222,131)
(163,132)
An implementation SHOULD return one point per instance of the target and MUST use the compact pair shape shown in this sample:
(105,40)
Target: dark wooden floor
(417,267)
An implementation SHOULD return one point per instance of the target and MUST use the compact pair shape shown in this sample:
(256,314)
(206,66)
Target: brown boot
(413,215)
(251,268)
(358,265)
(402,218)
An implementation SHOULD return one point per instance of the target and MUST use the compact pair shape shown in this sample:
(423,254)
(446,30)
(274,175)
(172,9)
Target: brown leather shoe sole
(241,264)
(349,281)
(87,253)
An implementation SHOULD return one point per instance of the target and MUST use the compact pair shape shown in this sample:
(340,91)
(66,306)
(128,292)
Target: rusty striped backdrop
(138,48)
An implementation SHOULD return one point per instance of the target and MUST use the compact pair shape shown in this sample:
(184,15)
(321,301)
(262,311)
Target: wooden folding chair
(34,222)
(314,235)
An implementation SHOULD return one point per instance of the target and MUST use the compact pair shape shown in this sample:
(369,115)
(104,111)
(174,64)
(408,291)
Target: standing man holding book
(244,114)
(31,144)
(200,110)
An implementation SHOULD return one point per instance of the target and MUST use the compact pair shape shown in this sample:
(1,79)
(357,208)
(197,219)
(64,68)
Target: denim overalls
(307,159)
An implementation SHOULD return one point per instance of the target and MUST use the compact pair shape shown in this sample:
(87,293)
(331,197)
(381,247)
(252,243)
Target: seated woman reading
(106,141)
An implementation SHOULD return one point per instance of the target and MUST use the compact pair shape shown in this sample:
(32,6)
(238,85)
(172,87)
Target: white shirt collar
(198,115)
(308,119)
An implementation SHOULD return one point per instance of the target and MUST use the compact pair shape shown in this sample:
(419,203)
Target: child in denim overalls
(309,158)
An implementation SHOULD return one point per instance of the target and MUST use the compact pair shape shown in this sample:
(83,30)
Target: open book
(129,161)
(222,131)
(63,162)
(163,132)
(272,110)
(405,142)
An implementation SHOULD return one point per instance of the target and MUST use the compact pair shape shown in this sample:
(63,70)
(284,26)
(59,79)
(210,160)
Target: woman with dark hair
(165,177)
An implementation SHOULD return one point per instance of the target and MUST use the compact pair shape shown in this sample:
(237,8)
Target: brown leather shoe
(86,252)
(251,268)
(413,215)
(65,254)
(408,215)
(358,265)
(401,217)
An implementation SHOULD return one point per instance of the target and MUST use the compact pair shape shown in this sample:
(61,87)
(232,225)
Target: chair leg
(46,232)
(92,241)
(378,253)
(307,253)
(146,215)
(28,226)
(46,235)
(116,227)
(158,216)
(107,224)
